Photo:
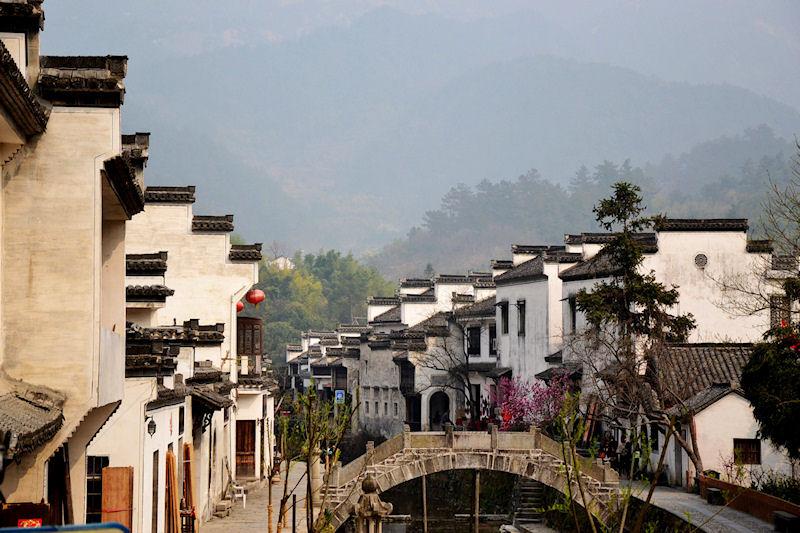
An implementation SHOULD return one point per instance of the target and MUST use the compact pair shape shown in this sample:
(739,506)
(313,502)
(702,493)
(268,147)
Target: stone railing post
(493,433)
(610,475)
(406,437)
(537,437)
(370,511)
(316,476)
(370,452)
(449,438)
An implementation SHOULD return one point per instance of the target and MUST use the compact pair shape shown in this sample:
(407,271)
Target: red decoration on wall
(239,307)
(255,296)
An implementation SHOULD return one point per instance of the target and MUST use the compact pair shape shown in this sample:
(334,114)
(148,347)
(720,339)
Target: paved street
(254,516)
(710,518)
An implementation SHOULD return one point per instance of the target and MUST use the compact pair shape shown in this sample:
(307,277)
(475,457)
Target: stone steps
(223,508)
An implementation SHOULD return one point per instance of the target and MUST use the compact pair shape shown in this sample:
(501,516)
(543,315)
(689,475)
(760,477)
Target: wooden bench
(714,496)
(786,522)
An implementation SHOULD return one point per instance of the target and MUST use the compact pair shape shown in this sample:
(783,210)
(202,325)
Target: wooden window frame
(474,344)
(94,487)
(747,451)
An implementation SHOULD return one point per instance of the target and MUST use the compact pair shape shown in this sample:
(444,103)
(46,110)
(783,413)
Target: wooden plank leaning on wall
(117,498)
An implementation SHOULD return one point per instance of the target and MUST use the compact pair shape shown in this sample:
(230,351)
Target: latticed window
(747,451)
(474,341)
(778,310)
(94,488)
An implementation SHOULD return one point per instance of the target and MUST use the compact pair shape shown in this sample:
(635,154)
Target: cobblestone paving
(254,516)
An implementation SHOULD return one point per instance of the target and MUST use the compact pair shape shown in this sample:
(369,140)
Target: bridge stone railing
(476,448)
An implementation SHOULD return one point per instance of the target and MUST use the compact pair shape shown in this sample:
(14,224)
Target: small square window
(747,451)
(504,317)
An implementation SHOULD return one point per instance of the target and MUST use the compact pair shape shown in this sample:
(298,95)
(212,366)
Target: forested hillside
(726,177)
(321,292)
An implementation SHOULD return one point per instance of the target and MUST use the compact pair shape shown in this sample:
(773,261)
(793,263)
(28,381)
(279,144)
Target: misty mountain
(723,178)
(344,134)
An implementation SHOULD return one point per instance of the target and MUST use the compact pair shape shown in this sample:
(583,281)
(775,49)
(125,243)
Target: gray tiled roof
(685,370)
(121,177)
(209,398)
(138,293)
(536,248)
(212,223)
(435,325)
(95,81)
(383,300)
(22,15)
(32,416)
(245,252)
(17,98)
(598,266)
(146,264)
(702,224)
(481,308)
(416,282)
(528,271)
(606,237)
(169,195)
(392,315)
(704,398)
(427,297)
(759,246)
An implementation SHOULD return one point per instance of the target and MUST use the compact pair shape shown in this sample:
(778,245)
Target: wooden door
(118,495)
(246,448)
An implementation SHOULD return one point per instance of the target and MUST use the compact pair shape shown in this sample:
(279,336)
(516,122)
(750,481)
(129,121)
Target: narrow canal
(449,502)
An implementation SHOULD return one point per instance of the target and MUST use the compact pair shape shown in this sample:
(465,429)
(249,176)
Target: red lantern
(239,307)
(255,296)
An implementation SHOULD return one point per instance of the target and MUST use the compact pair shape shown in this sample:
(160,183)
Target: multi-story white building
(700,257)
(194,392)
(529,309)
(68,192)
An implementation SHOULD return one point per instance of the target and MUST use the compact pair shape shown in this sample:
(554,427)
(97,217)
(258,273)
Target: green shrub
(778,485)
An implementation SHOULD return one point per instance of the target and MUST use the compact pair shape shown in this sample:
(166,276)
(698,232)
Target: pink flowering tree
(525,404)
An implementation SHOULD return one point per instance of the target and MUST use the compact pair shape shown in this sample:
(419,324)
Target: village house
(209,275)
(68,192)
(529,309)
(196,402)
(697,256)
(727,433)
(408,364)
(453,338)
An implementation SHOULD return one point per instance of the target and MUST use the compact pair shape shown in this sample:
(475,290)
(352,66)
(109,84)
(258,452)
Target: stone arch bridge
(411,455)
